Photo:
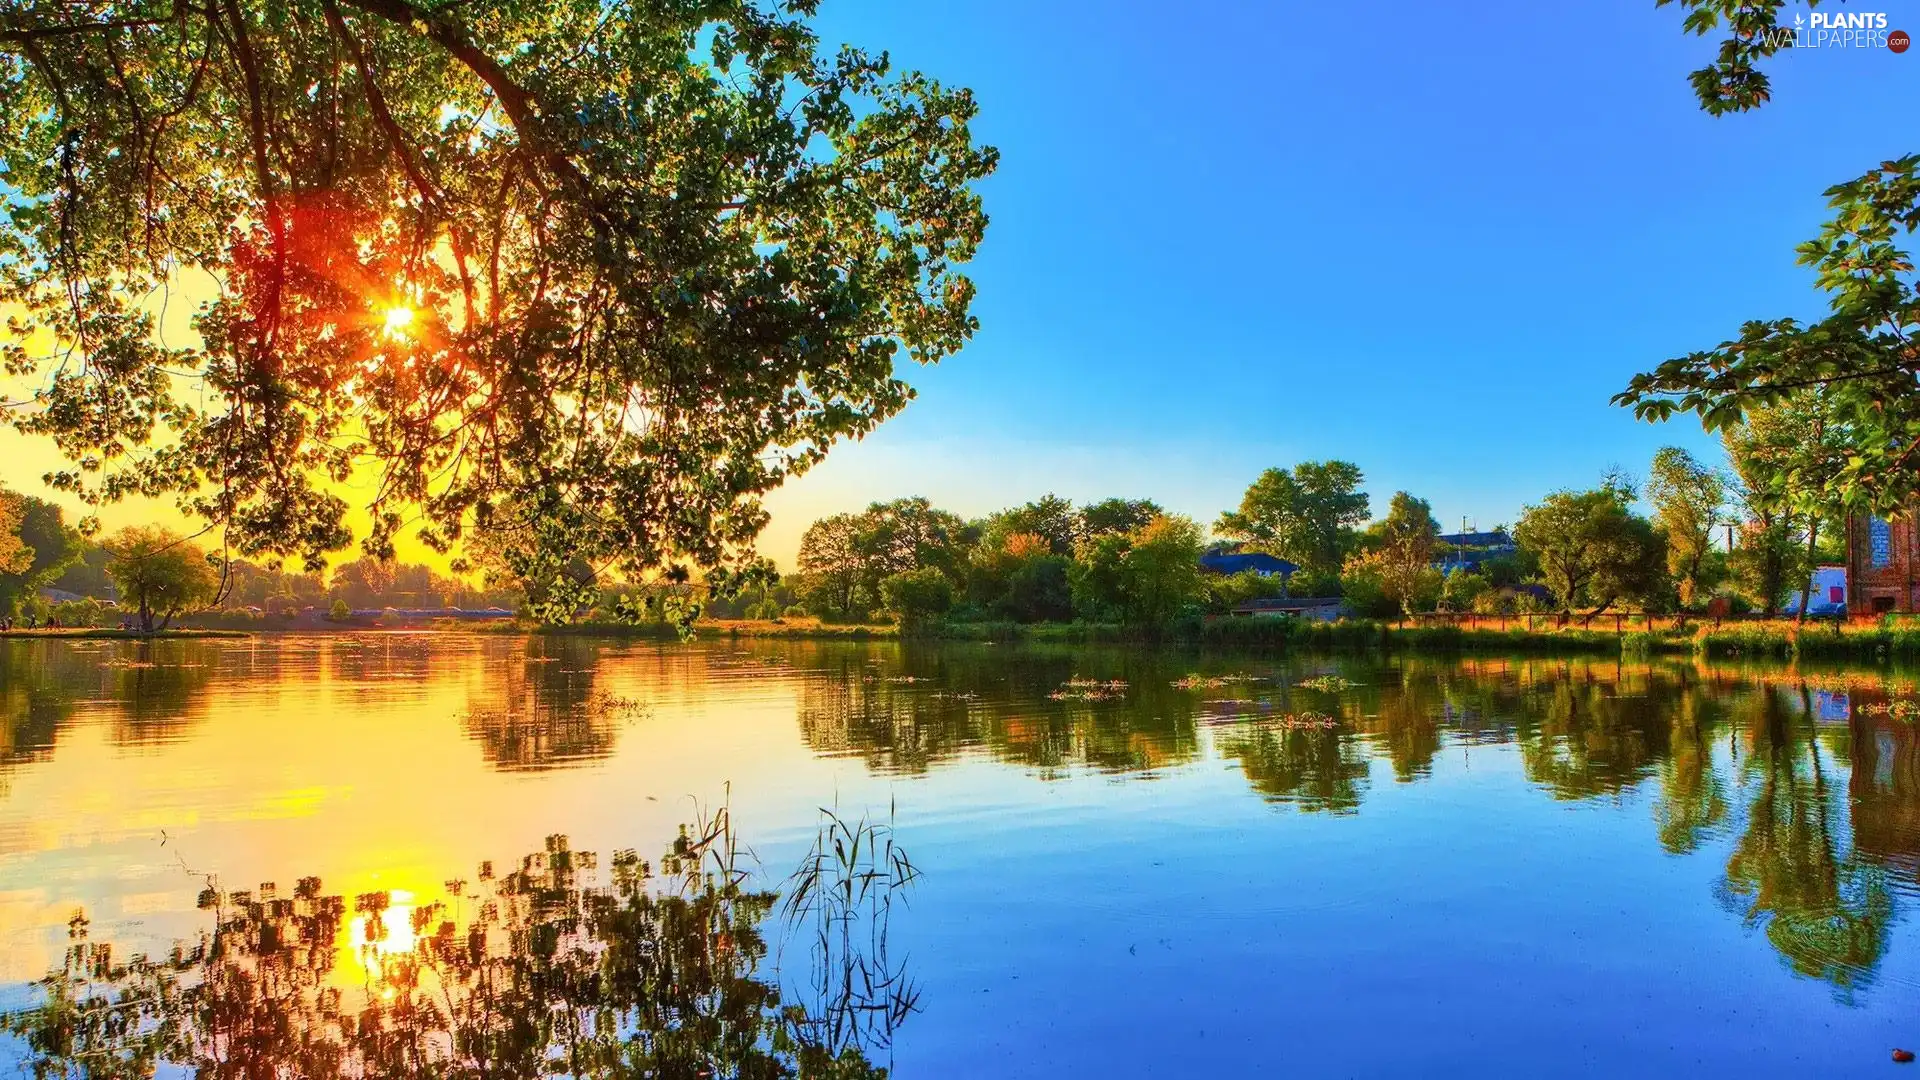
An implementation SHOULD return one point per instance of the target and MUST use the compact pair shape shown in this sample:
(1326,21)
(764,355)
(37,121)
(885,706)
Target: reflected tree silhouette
(542,709)
(546,970)
(1828,914)
(1581,738)
(1693,797)
(1313,769)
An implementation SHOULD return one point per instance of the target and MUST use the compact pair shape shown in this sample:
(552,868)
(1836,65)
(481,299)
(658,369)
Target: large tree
(1307,514)
(1405,541)
(15,554)
(1686,497)
(1790,455)
(1144,578)
(1116,515)
(46,546)
(1593,550)
(1051,518)
(845,557)
(160,574)
(590,276)
(1863,356)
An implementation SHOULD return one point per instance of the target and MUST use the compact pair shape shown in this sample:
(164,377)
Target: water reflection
(554,968)
(1799,790)
(1827,913)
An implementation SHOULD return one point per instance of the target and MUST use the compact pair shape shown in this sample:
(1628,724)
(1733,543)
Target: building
(1881,564)
(1258,562)
(1467,550)
(1826,595)
(1320,608)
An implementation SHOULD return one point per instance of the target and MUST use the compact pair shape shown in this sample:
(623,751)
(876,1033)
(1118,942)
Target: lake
(1072,862)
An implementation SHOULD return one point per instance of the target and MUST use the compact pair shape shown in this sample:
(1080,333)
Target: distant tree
(1377,584)
(1791,457)
(1402,546)
(1227,591)
(1686,498)
(1307,514)
(1051,518)
(917,598)
(1019,577)
(160,574)
(1145,578)
(363,583)
(830,565)
(49,545)
(15,554)
(1592,549)
(1766,563)
(1163,569)
(1110,516)
(910,534)
(844,558)
(87,575)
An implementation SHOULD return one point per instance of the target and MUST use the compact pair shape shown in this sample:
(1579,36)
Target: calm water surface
(1127,864)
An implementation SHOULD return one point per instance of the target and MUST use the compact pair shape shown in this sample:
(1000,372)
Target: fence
(1620,622)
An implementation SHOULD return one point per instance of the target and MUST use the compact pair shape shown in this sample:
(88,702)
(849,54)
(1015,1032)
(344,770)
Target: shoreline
(1768,640)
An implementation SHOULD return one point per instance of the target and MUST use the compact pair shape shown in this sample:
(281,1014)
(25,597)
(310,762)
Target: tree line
(1739,535)
(154,575)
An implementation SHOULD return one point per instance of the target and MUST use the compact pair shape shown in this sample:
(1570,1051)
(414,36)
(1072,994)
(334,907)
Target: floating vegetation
(1899,709)
(1306,721)
(624,708)
(954,695)
(1326,684)
(665,967)
(906,679)
(1090,690)
(1216,682)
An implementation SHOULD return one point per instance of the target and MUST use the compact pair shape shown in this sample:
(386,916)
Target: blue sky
(1431,239)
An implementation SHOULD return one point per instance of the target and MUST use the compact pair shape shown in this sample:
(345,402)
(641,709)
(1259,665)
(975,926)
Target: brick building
(1883,565)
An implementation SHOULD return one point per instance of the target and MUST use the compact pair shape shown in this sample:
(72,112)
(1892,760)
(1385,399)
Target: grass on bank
(1893,639)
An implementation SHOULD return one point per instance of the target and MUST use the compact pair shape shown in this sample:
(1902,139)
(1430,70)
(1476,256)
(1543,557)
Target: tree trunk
(146,617)
(1806,583)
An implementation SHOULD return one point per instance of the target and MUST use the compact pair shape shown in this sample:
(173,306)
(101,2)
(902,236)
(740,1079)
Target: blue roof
(1496,538)
(1258,562)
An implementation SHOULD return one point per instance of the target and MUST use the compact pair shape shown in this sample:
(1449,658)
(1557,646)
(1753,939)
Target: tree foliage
(1789,457)
(916,598)
(1863,355)
(1144,578)
(15,554)
(845,557)
(1593,551)
(1116,515)
(49,543)
(1306,514)
(1400,549)
(1686,497)
(589,276)
(160,574)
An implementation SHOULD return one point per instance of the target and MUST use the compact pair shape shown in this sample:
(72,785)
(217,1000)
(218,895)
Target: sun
(399,321)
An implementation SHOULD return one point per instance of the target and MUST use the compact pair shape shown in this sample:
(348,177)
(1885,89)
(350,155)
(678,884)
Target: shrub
(339,611)
(917,598)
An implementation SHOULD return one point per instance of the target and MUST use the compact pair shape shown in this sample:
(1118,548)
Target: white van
(1829,595)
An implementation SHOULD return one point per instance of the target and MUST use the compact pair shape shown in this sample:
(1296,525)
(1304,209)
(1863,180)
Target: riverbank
(1774,640)
(85,633)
